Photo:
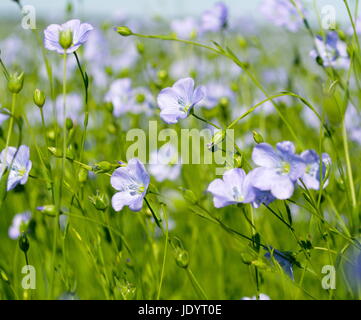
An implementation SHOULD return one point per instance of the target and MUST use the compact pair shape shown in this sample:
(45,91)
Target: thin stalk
(164,256)
(196,284)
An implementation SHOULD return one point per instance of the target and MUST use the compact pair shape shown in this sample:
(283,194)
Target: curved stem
(230,55)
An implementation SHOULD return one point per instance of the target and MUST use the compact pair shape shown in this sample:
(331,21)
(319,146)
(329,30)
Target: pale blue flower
(312,175)
(125,98)
(18,163)
(119,95)
(283,13)
(176,102)
(234,188)
(284,259)
(19,225)
(279,169)
(262,197)
(80,32)
(353,123)
(132,182)
(332,51)
(215,18)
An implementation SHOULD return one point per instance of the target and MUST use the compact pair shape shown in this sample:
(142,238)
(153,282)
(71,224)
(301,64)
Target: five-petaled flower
(234,188)
(279,169)
(77,31)
(17,161)
(132,182)
(176,102)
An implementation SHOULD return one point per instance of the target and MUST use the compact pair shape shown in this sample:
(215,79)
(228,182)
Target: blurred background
(161,8)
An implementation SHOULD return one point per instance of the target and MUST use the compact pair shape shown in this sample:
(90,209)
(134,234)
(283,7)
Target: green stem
(230,55)
(196,284)
(353,24)
(164,256)
(348,166)
(204,120)
(58,206)
(11,125)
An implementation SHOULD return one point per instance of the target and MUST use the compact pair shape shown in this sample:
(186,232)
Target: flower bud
(257,137)
(319,61)
(82,175)
(50,135)
(100,201)
(180,254)
(48,210)
(58,153)
(66,39)
(182,258)
(102,167)
(55,152)
(140,47)
(238,161)
(140,98)
(39,98)
(69,124)
(24,243)
(224,102)
(124,31)
(242,42)
(162,75)
(16,82)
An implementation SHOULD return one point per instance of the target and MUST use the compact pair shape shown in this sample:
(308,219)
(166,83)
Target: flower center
(185,108)
(237,195)
(135,189)
(285,167)
(21,171)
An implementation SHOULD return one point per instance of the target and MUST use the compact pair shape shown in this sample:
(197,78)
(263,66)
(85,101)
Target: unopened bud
(182,258)
(16,82)
(124,31)
(69,124)
(48,210)
(140,98)
(319,61)
(162,75)
(140,47)
(181,255)
(100,201)
(238,160)
(82,175)
(224,102)
(39,98)
(24,243)
(257,137)
(102,167)
(51,135)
